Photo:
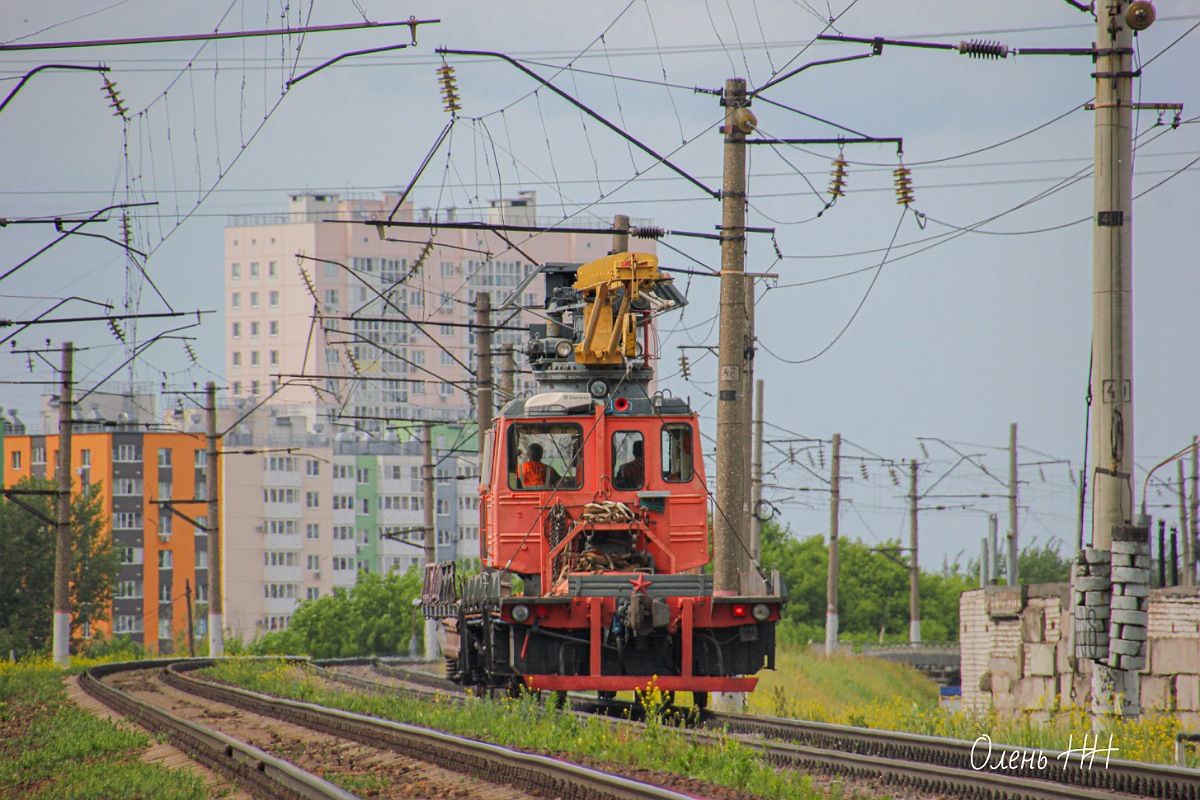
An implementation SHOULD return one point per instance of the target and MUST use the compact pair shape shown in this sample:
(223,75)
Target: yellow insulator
(449,83)
(685,369)
(837,183)
(903,183)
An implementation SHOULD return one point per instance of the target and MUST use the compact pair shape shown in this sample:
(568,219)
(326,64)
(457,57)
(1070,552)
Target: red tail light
(739,610)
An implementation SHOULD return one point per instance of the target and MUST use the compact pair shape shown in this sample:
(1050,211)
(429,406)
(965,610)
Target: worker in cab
(534,473)
(632,473)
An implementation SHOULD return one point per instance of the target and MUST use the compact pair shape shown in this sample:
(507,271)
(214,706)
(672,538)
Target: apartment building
(307,509)
(161,553)
(314,292)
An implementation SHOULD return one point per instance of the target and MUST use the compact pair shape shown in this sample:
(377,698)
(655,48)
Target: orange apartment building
(159,551)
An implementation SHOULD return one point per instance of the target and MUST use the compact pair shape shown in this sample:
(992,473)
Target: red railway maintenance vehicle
(592,494)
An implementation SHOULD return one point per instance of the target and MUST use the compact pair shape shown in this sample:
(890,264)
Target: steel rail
(547,776)
(926,762)
(1074,771)
(270,776)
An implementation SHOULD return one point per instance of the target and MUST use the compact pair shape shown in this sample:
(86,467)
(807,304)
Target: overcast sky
(957,335)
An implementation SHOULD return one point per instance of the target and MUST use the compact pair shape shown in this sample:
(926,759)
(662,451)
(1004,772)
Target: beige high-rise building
(321,479)
(314,292)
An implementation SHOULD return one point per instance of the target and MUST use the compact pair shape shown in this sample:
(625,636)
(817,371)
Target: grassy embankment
(50,749)
(868,692)
(526,725)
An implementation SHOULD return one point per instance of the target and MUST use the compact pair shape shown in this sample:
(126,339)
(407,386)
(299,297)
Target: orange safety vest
(533,473)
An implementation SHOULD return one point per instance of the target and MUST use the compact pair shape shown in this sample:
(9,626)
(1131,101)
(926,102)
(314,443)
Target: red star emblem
(639,584)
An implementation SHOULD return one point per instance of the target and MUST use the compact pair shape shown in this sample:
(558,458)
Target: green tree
(375,617)
(27,545)
(873,589)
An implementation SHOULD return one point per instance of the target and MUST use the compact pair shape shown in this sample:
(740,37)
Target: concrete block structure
(1017,654)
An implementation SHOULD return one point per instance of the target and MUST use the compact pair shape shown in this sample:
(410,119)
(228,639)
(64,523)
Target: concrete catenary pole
(484,402)
(748,414)
(729,534)
(1184,526)
(1013,542)
(1194,519)
(1112,313)
(994,548)
(620,233)
(508,369)
(430,522)
(216,606)
(756,477)
(914,566)
(831,582)
(62,546)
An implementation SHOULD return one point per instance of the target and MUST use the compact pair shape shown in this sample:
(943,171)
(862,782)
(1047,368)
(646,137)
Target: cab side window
(628,460)
(677,449)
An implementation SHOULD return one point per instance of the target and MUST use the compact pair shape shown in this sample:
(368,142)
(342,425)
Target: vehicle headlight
(520,613)
(564,349)
(761,612)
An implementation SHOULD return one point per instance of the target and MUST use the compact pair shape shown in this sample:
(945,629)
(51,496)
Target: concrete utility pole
(620,233)
(1013,576)
(756,477)
(216,614)
(484,402)
(428,507)
(994,548)
(1193,533)
(729,534)
(914,568)
(62,546)
(748,413)
(831,582)
(1183,526)
(1112,314)
(508,370)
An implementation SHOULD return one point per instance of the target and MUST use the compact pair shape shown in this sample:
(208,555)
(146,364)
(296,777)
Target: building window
(254,270)
(314,563)
(16,459)
(166,523)
(130,555)
(122,452)
(273,299)
(235,300)
(254,330)
(312,468)
(273,327)
(127,487)
(254,358)
(165,560)
(237,330)
(312,499)
(274,359)
(237,387)
(237,358)
(164,456)
(254,386)
(164,628)
(127,521)
(254,299)
(164,593)
(127,590)
(331,297)
(235,271)
(312,593)
(362,475)
(272,269)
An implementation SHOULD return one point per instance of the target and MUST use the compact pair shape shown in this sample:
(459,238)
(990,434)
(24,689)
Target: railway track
(924,763)
(271,777)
